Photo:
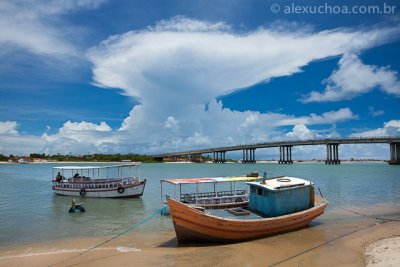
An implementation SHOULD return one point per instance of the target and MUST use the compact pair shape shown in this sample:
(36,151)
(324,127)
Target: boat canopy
(77,168)
(210,180)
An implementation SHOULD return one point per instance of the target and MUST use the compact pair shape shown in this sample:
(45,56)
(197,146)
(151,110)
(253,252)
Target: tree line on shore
(90,157)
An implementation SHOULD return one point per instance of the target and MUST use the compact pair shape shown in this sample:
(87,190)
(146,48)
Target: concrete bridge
(285,149)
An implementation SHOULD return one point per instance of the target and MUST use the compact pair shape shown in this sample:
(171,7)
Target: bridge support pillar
(219,156)
(249,155)
(332,154)
(285,154)
(394,154)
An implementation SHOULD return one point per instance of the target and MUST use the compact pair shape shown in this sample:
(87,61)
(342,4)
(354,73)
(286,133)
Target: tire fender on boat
(121,189)
(82,192)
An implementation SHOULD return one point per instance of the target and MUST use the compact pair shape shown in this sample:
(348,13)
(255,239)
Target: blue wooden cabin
(281,195)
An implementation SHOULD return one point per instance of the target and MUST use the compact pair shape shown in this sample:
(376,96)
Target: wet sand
(338,238)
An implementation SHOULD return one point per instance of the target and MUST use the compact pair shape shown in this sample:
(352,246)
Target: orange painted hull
(194,225)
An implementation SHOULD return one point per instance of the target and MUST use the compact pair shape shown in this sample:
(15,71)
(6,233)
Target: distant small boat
(226,196)
(276,205)
(116,181)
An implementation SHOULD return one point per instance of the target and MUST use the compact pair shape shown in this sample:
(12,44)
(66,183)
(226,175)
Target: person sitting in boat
(76,175)
(73,203)
(59,177)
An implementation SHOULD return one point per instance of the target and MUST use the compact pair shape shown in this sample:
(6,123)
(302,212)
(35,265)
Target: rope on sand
(369,216)
(383,220)
(158,212)
(322,244)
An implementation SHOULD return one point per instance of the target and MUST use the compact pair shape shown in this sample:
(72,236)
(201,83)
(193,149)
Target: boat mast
(161,193)
(197,192)
(215,191)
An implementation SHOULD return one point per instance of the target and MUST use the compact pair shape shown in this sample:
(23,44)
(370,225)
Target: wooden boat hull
(193,225)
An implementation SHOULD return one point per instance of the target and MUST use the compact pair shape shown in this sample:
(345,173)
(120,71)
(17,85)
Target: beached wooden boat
(230,195)
(277,206)
(116,181)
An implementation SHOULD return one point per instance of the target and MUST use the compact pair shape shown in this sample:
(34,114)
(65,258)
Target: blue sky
(97,76)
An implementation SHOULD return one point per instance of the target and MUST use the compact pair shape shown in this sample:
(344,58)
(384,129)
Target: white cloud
(182,55)
(392,123)
(12,142)
(171,123)
(376,151)
(183,24)
(20,144)
(390,128)
(70,127)
(300,131)
(216,126)
(32,25)
(178,66)
(82,137)
(329,117)
(8,127)
(375,113)
(354,78)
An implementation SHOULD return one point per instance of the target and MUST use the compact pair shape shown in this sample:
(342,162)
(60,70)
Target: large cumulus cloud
(176,69)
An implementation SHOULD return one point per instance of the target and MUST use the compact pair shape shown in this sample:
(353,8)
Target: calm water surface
(30,212)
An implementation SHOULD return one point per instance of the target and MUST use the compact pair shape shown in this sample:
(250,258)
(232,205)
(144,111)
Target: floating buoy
(77,208)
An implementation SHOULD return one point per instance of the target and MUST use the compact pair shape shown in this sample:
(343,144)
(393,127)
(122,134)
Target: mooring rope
(383,220)
(322,244)
(158,212)
(366,215)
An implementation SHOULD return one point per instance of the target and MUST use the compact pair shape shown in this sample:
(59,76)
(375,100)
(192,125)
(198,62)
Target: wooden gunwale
(224,205)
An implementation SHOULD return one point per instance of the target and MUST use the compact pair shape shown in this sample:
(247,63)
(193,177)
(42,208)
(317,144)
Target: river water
(31,213)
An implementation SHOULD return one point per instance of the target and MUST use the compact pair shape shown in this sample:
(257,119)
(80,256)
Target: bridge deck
(356,140)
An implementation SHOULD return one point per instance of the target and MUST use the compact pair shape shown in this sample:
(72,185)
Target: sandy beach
(341,239)
(384,252)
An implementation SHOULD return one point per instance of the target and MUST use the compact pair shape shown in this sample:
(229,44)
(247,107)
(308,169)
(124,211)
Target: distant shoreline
(345,161)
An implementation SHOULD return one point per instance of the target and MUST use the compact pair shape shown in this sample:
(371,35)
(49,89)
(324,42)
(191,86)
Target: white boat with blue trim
(116,181)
